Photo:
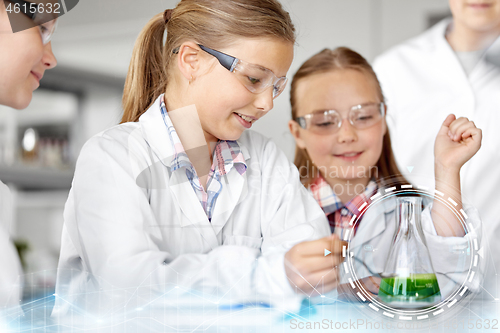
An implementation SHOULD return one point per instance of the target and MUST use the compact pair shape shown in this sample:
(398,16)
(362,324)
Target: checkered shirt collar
(330,202)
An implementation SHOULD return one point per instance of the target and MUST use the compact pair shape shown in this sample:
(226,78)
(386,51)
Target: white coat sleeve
(452,257)
(10,267)
(109,215)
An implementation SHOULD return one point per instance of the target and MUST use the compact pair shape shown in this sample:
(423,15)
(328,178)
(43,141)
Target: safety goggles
(254,77)
(327,122)
(43,15)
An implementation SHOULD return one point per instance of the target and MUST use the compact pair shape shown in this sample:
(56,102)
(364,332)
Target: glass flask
(408,279)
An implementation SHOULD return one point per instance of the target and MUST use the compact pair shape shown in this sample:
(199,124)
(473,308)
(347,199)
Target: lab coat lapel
(235,189)
(448,65)
(186,198)
(489,64)
(193,213)
(446,59)
(155,132)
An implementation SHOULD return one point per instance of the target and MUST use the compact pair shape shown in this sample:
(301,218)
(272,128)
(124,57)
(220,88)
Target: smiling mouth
(349,155)
(246,118)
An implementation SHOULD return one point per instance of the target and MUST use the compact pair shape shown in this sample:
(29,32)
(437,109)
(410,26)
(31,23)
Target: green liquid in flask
(416,288)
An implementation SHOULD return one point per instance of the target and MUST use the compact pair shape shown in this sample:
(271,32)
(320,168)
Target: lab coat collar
(156,135)
(489,63)
(448,60)
(493,53)
(445,62)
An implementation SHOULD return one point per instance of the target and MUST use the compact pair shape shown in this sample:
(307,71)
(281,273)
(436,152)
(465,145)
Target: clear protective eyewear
(329,121)
(254,77)
(44,17)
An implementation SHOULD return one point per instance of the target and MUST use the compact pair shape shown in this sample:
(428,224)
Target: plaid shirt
(227,154)
(340,216)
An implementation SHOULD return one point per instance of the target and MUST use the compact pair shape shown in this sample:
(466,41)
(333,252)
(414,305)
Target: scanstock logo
(37,12)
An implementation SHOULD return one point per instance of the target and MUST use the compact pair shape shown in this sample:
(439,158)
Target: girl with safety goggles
(180,194)
(345,159)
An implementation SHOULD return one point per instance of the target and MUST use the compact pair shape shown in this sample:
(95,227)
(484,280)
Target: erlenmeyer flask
(408,279)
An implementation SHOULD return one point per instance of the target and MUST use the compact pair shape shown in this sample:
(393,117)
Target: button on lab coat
(10,267)
(423,82)
(130,221)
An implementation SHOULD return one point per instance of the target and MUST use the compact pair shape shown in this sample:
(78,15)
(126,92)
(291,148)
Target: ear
(188,60)
(296,131)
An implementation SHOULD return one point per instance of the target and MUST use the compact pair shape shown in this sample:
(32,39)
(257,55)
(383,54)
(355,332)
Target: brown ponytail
(214,23)
(146,76)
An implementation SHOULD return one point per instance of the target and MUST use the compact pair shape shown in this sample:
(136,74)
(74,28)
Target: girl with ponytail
(181,194)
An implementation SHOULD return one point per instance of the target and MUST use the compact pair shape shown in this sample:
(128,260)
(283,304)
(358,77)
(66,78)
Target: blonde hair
(331,60)
(214,23)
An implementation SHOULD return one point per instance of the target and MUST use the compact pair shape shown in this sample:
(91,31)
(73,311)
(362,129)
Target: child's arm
(457,141)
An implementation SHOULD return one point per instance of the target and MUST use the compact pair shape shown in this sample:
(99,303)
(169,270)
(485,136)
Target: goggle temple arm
(302,122)
(382,109)
(225,60)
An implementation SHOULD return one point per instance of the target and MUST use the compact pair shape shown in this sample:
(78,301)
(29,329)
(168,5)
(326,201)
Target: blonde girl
(180,194)
(344,156)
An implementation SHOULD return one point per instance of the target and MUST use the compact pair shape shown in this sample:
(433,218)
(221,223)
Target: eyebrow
(331,109)
(262,68)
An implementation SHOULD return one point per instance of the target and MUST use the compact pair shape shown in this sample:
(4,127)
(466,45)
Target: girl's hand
(457,141)
(310,270)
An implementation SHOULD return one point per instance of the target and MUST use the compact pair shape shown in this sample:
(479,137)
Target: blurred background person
(24,57)
(452,67)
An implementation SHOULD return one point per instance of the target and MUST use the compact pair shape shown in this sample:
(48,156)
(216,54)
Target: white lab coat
(10,267)
(449,255)
(130,222)
(423,82)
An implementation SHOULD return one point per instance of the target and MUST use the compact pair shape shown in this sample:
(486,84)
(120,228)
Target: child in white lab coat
(344,156)
(179,194)
(24,57)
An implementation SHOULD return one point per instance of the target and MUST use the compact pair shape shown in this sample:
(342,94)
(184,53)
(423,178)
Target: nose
(49,60)
(347,132)
(264,101)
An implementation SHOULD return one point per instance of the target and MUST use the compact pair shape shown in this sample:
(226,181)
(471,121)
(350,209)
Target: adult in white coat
(24,57)
(452,67)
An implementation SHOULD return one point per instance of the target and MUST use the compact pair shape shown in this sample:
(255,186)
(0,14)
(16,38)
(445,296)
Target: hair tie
(167,15)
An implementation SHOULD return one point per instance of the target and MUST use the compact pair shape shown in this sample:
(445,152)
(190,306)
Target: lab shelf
(31,177)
